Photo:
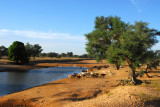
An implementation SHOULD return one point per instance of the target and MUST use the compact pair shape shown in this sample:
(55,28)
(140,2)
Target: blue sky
(60,25)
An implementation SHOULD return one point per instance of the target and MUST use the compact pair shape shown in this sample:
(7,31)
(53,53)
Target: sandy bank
(61,92)
(88,92)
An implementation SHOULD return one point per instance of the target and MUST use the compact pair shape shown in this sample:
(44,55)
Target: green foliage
(3,51)
(43,55)
(136,42)
(114,57)
(140,73)
(69,54)
(116,41)
(37,49)
(29,49)
(158,54)
(33,50)
(151,60)
(107,32)
(17,53)
(58,56)
(84,56)
(63,55)
(52,54)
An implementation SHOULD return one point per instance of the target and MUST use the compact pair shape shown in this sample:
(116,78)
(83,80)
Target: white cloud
(38,35)
(55,42)
(136,5)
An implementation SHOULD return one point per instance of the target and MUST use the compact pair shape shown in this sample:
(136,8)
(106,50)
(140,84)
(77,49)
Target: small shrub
(140,73)
(129,82)
(124,82)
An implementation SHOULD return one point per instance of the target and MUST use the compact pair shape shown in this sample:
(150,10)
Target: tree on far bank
(52,54)
(17,53)
(84,56)
(116,41)
(29,49)
(37,49)
(63,54)
(3,51)
(58,56)
(33,50)
(43,55)
(69,54)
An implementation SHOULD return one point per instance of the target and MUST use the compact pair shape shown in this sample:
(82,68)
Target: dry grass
(148,100)
(145,97)
(156,84)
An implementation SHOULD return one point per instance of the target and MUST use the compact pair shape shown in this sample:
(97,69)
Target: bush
(140,73)
(17,53)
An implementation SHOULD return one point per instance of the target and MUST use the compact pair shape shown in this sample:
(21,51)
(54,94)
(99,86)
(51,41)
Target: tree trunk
(117,66)
(146,71)
(132,75)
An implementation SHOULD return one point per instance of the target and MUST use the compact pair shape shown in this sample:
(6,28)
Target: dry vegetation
(85,92)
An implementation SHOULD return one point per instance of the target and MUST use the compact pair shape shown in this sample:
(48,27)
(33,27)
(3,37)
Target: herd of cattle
(89,73)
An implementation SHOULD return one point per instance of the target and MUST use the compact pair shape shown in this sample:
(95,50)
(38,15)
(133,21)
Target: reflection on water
(11,82)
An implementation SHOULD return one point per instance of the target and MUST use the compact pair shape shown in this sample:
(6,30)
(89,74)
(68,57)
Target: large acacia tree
(117,41)
(106,33)
(136,44)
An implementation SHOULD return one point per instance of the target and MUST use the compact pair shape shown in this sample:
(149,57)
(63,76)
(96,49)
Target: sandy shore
(61,92)
(84,92)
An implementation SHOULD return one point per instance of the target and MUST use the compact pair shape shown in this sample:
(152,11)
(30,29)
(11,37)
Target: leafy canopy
(33,50)
(3,51)
(17,53)
(117,41)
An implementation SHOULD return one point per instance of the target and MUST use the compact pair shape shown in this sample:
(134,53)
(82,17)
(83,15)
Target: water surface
(11,82)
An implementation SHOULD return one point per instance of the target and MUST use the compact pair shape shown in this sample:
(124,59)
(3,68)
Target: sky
(60,25)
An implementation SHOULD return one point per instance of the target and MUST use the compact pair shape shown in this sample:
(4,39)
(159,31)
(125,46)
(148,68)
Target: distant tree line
(68,54)
(20,53)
